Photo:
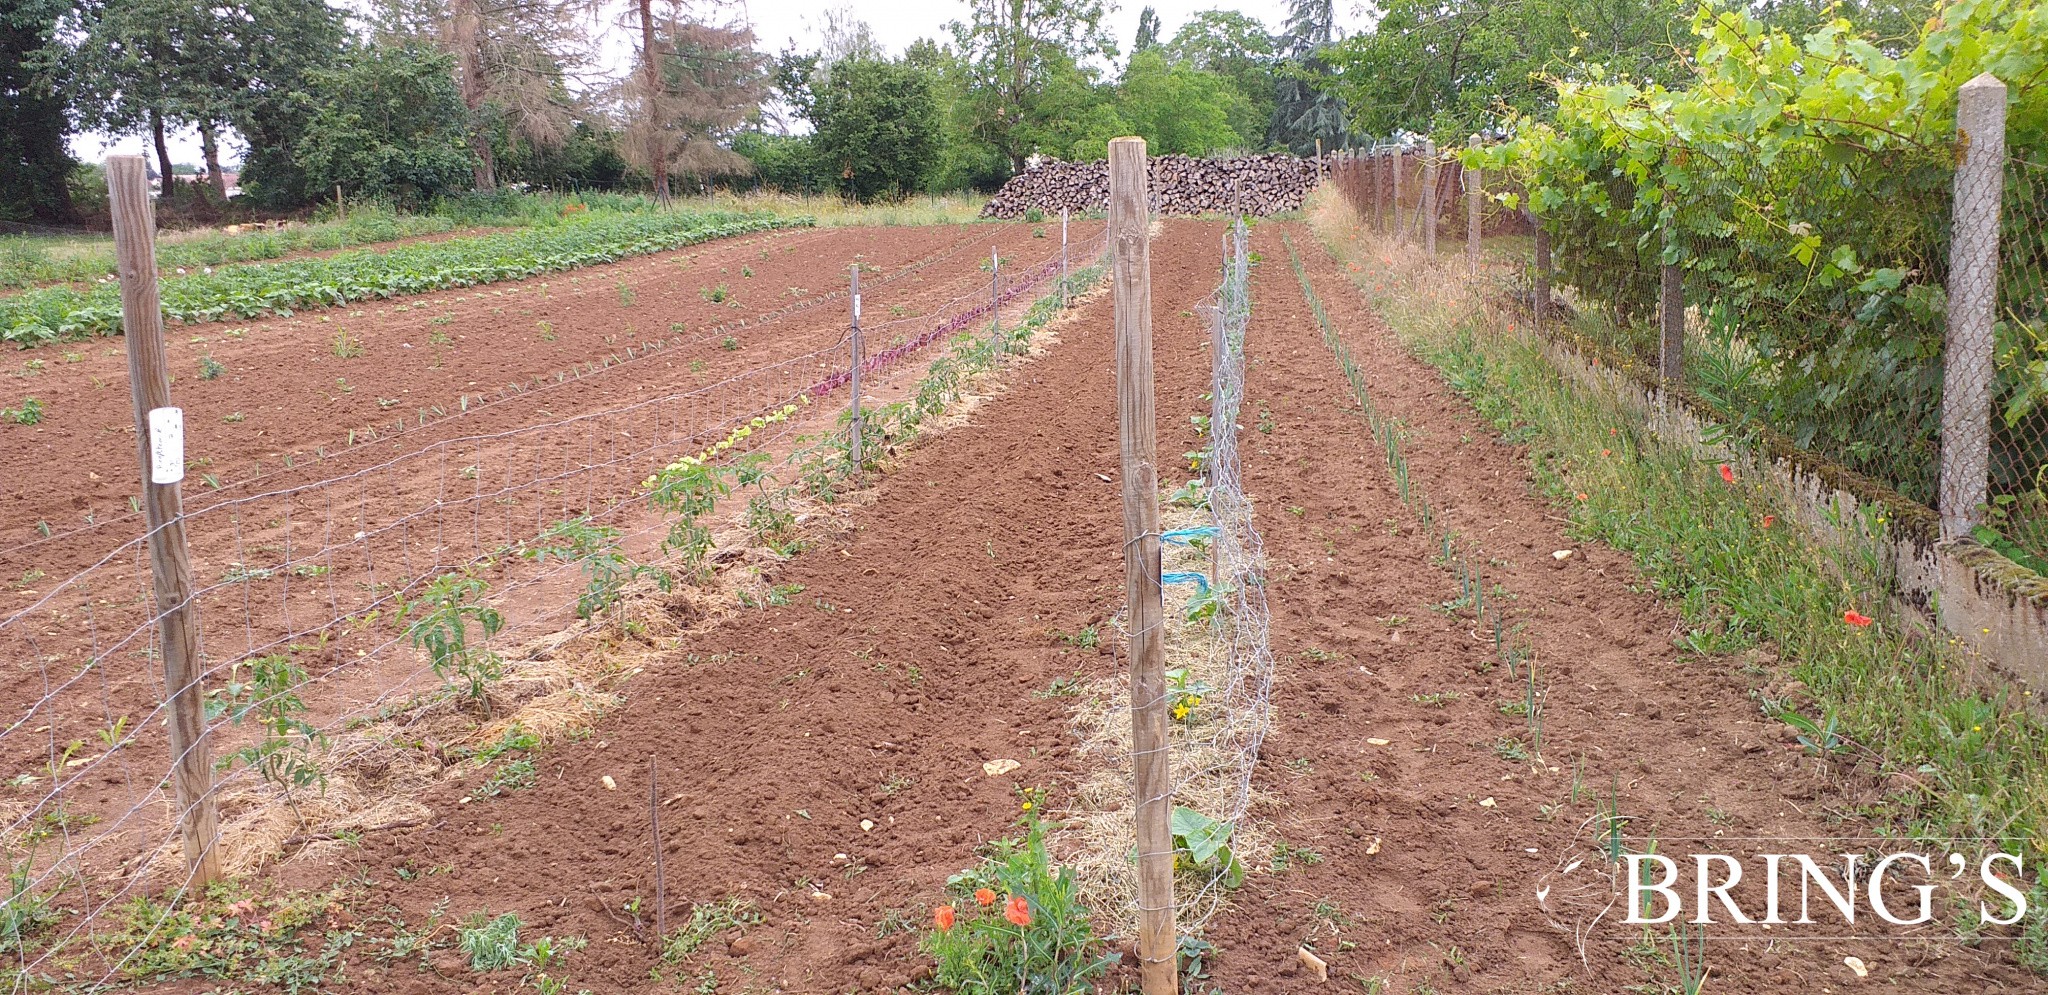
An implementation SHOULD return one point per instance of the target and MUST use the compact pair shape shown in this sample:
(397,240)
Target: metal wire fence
(313,584)
(1813,296)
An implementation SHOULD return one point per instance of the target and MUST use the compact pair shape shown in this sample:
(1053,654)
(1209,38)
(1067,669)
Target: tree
(783,162)
(512,62)
(693,84)
(877,126)
(143,64)
(1304,108)
(1148,30)
(1176,107)
(966,159)
(1236,47)
(34,166)
(1011,51)
(387,120)
(1451,67)
(588,159)
(278,44)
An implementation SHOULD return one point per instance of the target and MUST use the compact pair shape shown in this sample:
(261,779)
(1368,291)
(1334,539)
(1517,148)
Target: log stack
(1252,184)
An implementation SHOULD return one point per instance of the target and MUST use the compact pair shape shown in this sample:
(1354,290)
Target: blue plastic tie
(1186,577)
(1180,537)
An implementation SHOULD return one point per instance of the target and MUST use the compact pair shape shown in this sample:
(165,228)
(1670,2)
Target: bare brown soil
(921,634)
(325,488)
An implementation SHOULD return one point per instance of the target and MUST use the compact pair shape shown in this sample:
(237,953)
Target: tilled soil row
(274,571)
(823,759)
(1394,756)
(909,658)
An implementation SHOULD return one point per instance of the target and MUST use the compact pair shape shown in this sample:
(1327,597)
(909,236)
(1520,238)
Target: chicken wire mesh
(1834,340)
(1219,667)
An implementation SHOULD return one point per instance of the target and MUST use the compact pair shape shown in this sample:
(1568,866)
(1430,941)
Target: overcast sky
(797,23)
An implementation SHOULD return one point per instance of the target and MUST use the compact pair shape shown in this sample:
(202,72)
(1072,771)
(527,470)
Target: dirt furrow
(1398,756)
(908,658)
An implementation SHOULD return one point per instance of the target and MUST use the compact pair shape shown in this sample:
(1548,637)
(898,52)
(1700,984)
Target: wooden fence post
(1063,258)
(859,434)
(1399,160)
(1379,209)
(1966,374)
(1129,222)
(995,297)
(159,431)
(1472,179)
(1542,273)
(1429,205)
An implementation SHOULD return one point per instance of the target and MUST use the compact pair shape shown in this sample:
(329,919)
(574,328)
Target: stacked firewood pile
(1253,184)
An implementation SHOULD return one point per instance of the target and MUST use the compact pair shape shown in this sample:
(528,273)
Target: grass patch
(1974,758)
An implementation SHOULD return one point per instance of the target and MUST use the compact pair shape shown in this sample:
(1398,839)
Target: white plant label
(166,445)
(856,307)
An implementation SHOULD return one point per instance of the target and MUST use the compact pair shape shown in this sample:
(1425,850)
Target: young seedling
(266,689)
(439,620)
(595,548)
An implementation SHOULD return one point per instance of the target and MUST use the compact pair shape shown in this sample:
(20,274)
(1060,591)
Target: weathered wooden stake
(159,432)
(1129,225)
(1972,306)
(1542,273)
(1429,206)
(1472,179)
(1398,161)
(1063,258)
(854,421)
(995,297)
(1378,209)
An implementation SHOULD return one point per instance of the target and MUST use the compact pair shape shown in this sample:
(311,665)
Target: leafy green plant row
(64,313)
(25,262)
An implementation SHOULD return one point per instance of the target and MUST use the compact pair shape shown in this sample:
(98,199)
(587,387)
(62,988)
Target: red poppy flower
(985,897)
(943,917)
(1727,475)
(1770,520)
(1017,911)
(1856,618)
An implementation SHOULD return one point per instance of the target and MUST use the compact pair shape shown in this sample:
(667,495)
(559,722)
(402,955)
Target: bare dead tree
(694,83)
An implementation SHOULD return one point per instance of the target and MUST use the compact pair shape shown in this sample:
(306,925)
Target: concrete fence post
(1972,305)
(1670,309)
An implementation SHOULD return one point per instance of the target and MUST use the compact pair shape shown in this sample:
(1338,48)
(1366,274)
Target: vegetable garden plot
(822,755)
(329,584)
